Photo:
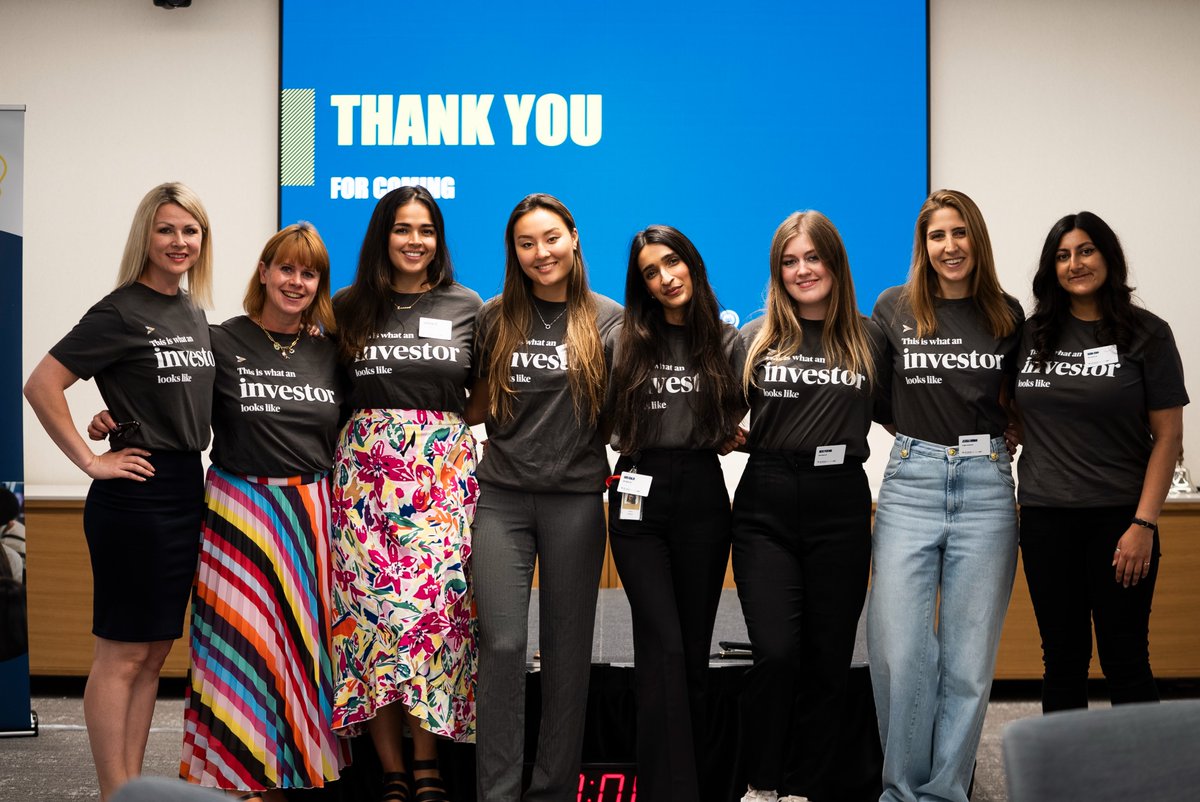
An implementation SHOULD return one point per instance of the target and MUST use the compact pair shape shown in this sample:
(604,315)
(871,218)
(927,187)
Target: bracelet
(1152,527)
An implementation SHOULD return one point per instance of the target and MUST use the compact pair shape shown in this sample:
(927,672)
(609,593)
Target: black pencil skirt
(144,540)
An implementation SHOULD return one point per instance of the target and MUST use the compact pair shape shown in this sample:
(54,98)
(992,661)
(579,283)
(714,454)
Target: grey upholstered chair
(1132,752)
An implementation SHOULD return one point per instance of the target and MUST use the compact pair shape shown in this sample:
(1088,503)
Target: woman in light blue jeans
(945,538)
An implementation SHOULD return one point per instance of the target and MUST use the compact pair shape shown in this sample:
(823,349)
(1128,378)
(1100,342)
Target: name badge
(635,484)
(631,507)
(431,328)
(561,350)
(1104,355)
(974,445)
(830,455)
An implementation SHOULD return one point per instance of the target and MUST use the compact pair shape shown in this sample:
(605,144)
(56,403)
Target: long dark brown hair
(719,403)
(1118,320)
(366,304)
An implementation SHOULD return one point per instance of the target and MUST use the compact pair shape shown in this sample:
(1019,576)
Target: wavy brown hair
(586,368)
(843,337)
(985,289)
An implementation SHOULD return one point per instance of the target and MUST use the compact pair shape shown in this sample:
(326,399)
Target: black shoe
(429,789)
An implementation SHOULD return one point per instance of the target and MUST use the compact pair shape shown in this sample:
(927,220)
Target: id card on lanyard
(633,487)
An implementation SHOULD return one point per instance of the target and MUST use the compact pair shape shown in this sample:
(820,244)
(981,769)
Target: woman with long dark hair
(945,542)
(404,495)
(802,512)
(147,345)
(542,367)
(677,403)
(1101,399)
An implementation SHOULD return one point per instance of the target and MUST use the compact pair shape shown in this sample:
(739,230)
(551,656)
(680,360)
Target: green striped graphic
(297,137)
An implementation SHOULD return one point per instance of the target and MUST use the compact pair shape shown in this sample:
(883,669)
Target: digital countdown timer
(609,782)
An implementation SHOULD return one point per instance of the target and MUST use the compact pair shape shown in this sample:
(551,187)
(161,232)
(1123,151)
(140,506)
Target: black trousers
(1067,553)
(801,558)
(672,564)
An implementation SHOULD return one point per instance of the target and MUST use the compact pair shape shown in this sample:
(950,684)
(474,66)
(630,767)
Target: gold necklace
(285,351)
(400,308)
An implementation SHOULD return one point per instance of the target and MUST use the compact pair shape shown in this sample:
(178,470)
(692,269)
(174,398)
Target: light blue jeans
(945,524)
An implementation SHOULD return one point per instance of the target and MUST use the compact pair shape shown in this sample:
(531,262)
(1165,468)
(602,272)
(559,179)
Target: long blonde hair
(843,338)
(985,289)
(137,246)
(586,368)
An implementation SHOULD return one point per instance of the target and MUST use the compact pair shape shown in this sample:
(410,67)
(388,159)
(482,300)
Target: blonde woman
(543,361)
(147,345)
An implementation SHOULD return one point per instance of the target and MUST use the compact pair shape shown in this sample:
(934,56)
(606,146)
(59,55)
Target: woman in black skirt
(147,345)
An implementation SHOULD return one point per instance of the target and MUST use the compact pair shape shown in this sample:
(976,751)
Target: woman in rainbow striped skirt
(259,703)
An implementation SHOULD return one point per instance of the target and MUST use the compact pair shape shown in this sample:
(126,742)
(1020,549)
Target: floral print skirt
(404,627)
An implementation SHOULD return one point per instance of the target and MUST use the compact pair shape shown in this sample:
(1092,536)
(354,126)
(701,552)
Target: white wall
(1041,109)
(122,96)
(1038,109)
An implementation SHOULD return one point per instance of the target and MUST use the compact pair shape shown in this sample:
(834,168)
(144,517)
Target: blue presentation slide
(718,119)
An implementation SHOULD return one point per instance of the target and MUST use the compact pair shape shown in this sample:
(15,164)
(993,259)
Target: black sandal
(395,787)
(429,789)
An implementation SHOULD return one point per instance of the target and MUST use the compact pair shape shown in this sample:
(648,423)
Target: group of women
(392,592)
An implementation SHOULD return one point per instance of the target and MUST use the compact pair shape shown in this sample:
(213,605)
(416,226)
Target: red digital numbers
(606,788)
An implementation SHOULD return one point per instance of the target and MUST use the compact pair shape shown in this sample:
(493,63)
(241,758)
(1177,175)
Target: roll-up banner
(15,715)
(719,119)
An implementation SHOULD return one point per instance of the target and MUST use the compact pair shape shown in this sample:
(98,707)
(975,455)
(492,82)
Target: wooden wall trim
(60,593)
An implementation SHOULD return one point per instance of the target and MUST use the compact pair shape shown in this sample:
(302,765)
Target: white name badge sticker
(635,484)
(561,350)
(431,328)
(974,445)
(1104,355)
(830,455)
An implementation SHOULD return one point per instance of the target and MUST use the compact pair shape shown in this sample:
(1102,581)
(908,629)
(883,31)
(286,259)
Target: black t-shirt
(544,446)
(273,416)
(948,385)
(674,383)
(152,361)
(1086,417)
(801,403)
(422,359)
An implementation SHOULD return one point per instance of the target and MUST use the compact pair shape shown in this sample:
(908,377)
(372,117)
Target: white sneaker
(793,798)
(758,795)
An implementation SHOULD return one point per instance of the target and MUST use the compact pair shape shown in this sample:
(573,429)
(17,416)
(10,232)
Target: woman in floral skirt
(404,497)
